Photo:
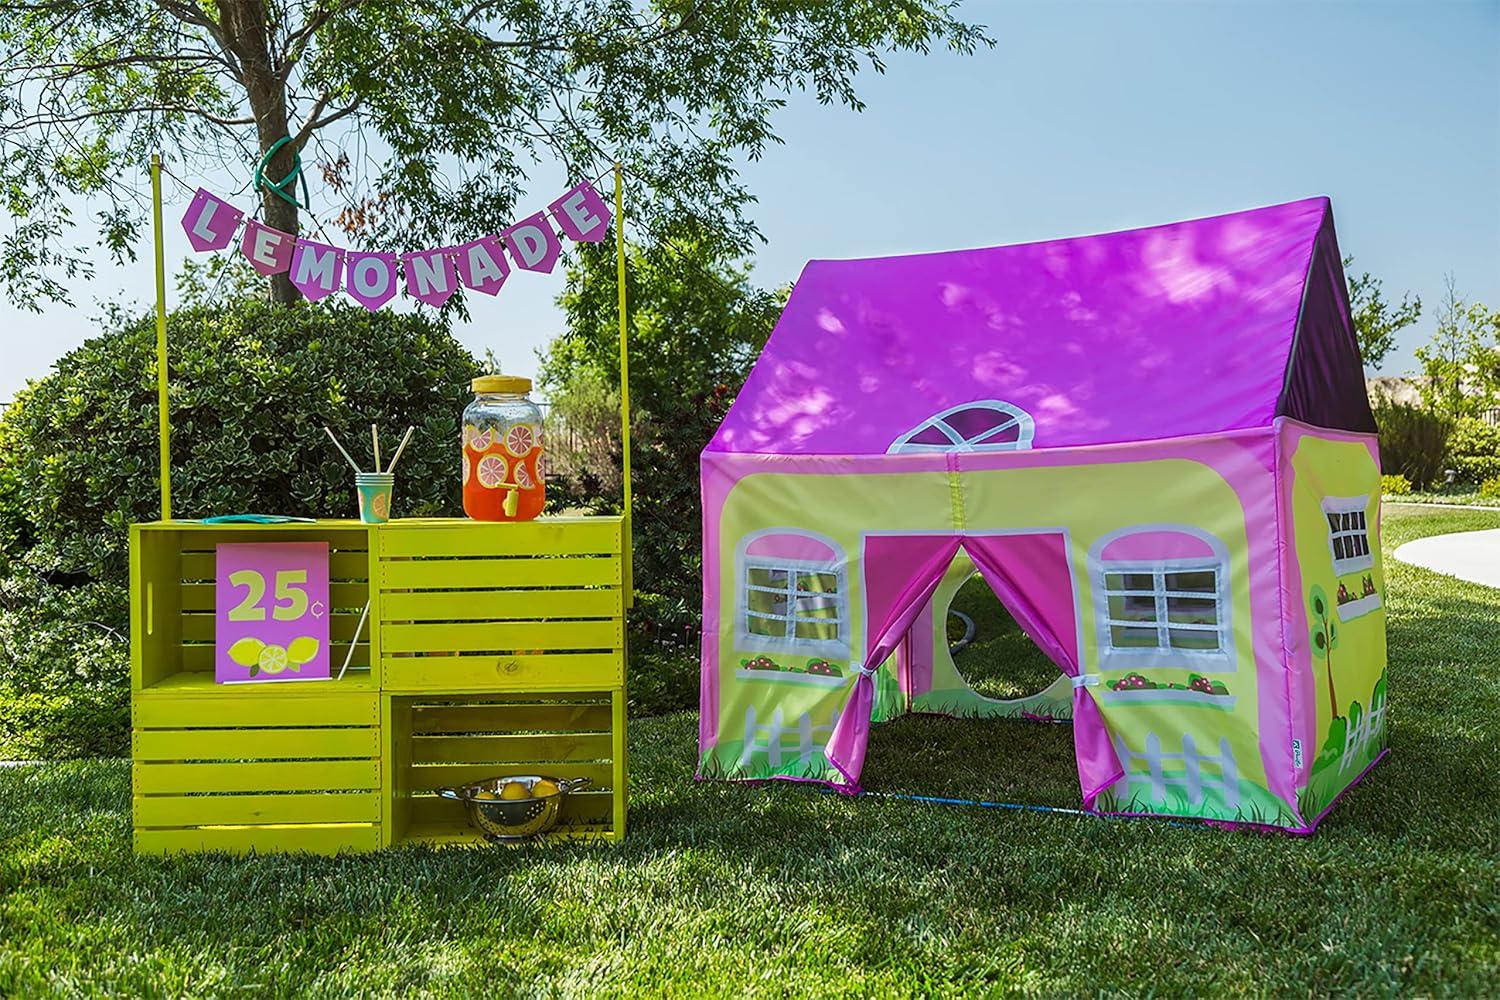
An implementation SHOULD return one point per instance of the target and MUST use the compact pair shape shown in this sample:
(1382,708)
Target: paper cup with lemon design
(375,489)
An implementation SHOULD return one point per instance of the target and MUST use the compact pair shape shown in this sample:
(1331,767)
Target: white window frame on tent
(789,644)
(1353,531)
(1018,418)
(1163,654)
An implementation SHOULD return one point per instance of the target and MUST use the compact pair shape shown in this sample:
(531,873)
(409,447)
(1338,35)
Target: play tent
(1156,448)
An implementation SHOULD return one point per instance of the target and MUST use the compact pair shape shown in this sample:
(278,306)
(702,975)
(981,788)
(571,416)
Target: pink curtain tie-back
(865,671)
(1086,680)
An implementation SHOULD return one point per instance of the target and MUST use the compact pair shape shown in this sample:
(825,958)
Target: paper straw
(375,442)
(352,464)
(400,448)
(349,656)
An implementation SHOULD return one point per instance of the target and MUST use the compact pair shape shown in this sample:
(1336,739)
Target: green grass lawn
(783,890)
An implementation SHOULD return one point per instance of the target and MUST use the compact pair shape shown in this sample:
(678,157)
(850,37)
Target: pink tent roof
(1190,328)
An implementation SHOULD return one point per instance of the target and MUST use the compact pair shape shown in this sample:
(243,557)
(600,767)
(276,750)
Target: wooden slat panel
(241,839)
(341,565)
(199,656)
(511,749)
(491,636)
(558,672)
(253,744)
(542,537)
(236,810)
(469,574)
(200,596)
(280,776)
(199,626)
(510,718)
(586,807)
(256,708)
(501,605)
(430,776)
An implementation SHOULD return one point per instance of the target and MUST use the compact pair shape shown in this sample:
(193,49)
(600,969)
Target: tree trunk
(244,23)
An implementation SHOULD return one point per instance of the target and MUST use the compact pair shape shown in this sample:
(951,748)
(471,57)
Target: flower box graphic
(271,612)
(816,672)
(1360,601)
(1138,689)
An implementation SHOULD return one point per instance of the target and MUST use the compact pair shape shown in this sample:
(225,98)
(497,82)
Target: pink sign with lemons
(271,612)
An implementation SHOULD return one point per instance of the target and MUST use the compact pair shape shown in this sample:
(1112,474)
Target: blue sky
(1084,118)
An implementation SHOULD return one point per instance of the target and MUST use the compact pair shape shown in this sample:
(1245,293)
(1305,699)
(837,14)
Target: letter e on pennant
(582,214)
(268,250)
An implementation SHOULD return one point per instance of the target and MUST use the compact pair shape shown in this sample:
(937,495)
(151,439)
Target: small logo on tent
(1296,753)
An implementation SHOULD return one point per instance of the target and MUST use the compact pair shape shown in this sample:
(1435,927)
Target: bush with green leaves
(1474,450)
(252,386)
(1413,441)
(1395,486)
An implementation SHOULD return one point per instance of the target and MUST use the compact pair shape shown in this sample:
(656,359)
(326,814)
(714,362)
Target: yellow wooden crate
(501,607)
(489,649)
(172,597)
(239,773)
(444,741)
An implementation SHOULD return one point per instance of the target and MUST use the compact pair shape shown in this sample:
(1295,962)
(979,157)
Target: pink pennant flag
(482,266)
(316,269)
(268,250)
(582,214)
(371,278)
(210,221)
(430,275)
(532,243)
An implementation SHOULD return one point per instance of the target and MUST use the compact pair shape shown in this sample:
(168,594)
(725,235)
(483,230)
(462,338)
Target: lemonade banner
(430,276)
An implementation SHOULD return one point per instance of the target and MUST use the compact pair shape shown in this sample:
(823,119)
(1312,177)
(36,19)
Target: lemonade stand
(470,650)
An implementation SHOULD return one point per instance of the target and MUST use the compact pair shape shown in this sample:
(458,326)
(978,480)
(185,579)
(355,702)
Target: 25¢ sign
(271,612)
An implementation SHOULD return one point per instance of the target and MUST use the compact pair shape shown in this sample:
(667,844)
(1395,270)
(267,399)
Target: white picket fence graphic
(1193,780)
(1369,727)
(775,733)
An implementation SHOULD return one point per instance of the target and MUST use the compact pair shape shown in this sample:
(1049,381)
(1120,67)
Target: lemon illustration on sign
(544,788)
(520,439)
(514,791)
(246,651)
(491,471)
(301,650)
(272,659)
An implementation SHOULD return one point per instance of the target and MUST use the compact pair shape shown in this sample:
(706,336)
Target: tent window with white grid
(794,607)
(1167,609)
(1348,533)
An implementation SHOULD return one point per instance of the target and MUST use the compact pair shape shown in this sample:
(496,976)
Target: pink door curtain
(1029,574)
(901,572)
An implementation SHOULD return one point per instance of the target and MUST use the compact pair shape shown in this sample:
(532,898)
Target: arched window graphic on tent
(983,425)
(793,595)
(1161,598)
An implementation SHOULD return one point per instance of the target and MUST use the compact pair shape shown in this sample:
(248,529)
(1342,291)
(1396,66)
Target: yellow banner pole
(624,382)
(164,429)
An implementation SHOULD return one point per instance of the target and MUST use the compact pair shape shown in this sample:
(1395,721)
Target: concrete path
(1468,555)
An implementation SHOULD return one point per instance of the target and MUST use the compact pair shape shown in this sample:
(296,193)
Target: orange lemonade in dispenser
(502,451)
